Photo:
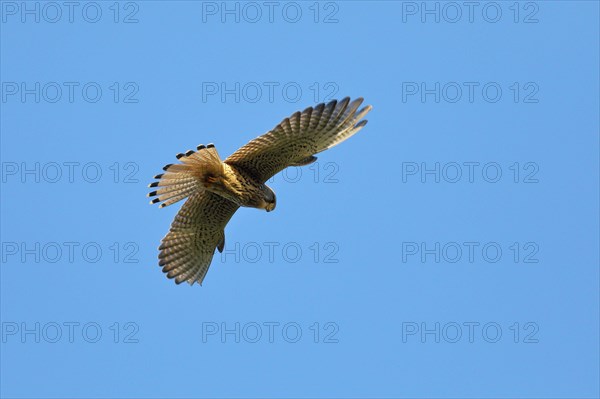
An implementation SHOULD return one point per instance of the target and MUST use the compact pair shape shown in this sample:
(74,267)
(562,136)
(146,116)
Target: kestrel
(215,189)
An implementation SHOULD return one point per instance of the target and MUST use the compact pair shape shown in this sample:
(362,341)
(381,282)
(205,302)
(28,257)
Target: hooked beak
(269,206)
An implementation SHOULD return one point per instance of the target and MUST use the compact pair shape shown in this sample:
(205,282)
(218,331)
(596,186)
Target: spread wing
(198,228)
(297,138)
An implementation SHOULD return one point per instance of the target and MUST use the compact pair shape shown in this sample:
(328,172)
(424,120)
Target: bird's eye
(270,197)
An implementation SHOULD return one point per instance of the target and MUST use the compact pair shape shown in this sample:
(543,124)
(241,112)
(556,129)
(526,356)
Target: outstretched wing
(297,138)
(198,228)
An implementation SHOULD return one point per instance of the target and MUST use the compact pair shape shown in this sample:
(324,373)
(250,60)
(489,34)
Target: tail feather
(183,179)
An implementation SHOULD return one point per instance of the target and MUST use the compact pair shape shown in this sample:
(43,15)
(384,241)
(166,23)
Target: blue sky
(450,249)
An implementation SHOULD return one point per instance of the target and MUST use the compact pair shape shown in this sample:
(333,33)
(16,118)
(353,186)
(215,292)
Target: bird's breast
(242,187)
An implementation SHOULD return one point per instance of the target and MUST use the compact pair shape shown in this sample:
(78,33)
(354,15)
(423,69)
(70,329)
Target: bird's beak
(270,206)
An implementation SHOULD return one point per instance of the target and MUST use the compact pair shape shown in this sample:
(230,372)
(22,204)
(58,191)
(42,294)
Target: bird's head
(269,199)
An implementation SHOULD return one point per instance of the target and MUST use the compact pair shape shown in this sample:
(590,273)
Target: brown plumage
(216,189)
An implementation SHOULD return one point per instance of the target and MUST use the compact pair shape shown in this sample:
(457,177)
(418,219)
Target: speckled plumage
(216,189)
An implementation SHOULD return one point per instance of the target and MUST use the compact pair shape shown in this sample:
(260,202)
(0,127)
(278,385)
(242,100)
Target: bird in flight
(215,189)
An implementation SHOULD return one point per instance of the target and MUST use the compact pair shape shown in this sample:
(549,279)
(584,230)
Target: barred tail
(181,180)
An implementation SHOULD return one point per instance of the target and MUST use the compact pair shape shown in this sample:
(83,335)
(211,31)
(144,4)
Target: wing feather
(299,137)
(197,230)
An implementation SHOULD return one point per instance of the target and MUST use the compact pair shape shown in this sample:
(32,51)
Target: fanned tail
(181,180)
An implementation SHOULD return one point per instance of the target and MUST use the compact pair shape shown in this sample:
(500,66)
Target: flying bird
(215,189)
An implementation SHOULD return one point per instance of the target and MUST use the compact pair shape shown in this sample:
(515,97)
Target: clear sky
(450,249)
